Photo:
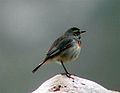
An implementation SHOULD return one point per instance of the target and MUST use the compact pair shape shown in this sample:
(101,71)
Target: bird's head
(74,31)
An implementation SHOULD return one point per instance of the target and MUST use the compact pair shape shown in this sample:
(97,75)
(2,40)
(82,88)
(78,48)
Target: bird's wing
(55,43)
(59,46)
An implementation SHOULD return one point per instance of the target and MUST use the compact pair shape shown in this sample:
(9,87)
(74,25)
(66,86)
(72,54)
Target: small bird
(64,49)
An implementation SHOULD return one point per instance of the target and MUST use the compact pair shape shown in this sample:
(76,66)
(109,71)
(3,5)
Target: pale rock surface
(73,84)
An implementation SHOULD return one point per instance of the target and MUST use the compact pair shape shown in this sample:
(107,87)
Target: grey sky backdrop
(28,27)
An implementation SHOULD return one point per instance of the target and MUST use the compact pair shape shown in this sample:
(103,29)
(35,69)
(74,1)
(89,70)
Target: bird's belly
(70,54)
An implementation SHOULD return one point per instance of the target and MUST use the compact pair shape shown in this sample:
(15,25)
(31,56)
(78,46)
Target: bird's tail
(35,69)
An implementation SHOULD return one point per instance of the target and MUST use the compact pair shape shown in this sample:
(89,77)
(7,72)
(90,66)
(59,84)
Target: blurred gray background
(28,27)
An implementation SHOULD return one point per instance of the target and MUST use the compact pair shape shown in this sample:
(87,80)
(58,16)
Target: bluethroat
(64,49)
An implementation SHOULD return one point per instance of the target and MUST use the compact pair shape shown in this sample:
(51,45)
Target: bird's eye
(76,33)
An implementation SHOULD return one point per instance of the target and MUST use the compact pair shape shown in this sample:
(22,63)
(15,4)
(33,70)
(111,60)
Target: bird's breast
(70,54)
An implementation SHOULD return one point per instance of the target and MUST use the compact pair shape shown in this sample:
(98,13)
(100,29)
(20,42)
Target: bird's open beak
(82,32)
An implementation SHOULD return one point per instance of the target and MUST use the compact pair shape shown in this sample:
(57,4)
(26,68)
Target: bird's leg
(66,72)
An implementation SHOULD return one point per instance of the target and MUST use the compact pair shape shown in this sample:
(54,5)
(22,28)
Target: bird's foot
(67,74)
